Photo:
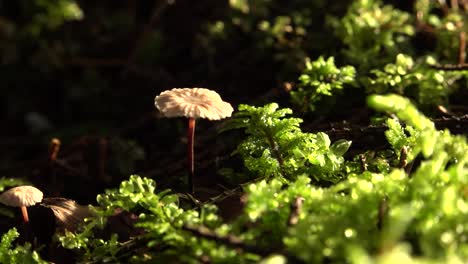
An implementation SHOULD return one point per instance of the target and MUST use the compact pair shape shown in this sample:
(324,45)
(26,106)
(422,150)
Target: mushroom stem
(24,211)
(190,155)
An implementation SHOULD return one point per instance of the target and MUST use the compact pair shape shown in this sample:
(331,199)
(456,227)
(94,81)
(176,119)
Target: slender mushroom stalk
(24,212)
(192,103)
(22,196)
(190,155)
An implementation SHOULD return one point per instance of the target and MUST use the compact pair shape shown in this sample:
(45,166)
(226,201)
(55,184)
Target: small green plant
(319,79)
(276,147)
(400,138)
(373,30)
(428,86)
(17,254)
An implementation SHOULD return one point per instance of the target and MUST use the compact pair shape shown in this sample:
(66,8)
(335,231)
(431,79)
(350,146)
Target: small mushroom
(22,196)
(192,103)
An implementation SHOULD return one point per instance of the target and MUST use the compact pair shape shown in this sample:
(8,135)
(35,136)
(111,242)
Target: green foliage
(276,147)
(373,33)
(437,183)
(427,136)
(53,14)
(373,161)
(92,248)
(319,79)
(160,219)
(427,85)
(18,254)
(403,108)
(427,210)
(393,75)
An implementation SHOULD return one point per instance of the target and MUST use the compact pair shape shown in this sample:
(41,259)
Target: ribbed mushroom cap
(193,102)
(21,196)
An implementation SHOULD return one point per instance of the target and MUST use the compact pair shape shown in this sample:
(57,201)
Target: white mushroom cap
(21,196)
(194,103)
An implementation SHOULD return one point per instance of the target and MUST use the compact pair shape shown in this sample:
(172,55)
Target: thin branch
(225,194)
(235,242)
(451,67)
(95,62)
(229,240)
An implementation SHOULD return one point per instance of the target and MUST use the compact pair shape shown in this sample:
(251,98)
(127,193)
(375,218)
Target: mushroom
(192,103)
(22,196)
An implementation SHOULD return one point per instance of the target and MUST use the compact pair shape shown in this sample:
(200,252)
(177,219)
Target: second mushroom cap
(21,196)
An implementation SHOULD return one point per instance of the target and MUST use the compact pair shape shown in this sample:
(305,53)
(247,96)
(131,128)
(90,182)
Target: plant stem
(382,212)
(275,150)
(54,149)
(462,46)
(295,211)
(190,155)
(403,157)
(53,154)
(24,211)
